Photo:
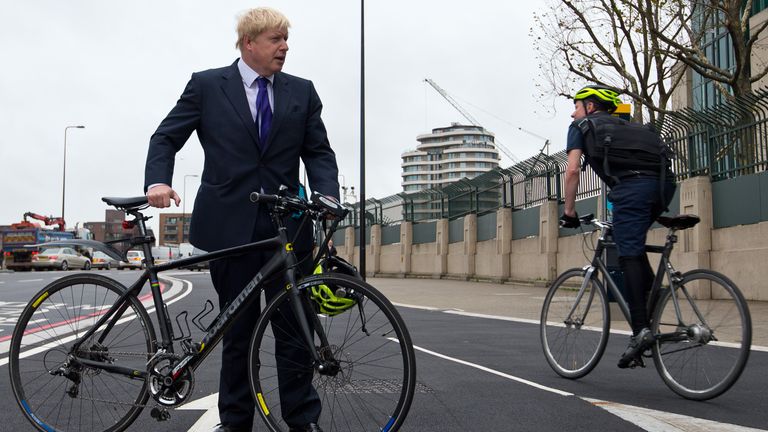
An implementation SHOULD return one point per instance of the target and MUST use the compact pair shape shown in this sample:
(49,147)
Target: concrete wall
(740,252)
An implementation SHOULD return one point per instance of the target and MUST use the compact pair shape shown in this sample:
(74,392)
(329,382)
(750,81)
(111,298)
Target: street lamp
(64,172)
(184,206)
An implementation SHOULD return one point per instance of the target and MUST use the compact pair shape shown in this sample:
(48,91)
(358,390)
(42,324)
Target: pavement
(521,301)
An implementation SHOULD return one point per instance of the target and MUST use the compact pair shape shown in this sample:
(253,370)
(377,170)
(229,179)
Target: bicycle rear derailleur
(163,388)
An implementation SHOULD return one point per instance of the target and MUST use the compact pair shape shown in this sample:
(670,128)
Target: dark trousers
(637,202)
(300,403)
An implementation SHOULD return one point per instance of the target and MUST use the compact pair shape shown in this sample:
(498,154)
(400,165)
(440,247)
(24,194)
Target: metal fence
(722,142)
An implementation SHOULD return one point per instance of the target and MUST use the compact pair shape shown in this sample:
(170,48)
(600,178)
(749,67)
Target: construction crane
(47,220)
(469,117)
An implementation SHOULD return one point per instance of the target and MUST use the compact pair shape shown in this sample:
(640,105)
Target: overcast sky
(119,67)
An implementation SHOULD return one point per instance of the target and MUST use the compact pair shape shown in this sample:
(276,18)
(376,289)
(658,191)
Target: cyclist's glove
(569,221)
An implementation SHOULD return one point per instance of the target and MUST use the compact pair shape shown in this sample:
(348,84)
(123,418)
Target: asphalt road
(475,373)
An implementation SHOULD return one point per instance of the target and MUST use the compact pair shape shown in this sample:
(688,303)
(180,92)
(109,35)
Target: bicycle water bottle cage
(330,304)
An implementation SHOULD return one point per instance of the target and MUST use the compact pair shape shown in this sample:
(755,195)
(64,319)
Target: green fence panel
(736,202)
(525,223)
(390,234)
(486,227)
(424,232)
(456,230)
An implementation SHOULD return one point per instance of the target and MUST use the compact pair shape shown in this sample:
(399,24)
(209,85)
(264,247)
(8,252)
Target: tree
(642,47)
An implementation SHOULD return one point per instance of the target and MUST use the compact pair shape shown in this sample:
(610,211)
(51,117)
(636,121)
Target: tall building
(447,155)
(172,233)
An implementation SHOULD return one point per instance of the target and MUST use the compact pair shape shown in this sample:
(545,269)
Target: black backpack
(617,147)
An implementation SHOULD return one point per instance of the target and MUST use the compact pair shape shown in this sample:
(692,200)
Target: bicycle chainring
(163,388)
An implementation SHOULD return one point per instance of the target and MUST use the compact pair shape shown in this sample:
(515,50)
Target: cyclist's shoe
(638,343)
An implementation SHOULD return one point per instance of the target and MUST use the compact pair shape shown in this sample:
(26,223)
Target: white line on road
(660,421)
(30,280)
(210,418)
(495,372)
(530,321)
(176,287)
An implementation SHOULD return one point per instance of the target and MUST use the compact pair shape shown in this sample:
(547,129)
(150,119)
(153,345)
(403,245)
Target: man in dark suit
(254,123)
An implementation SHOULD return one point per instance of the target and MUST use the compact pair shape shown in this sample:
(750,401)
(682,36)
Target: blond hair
(254,21)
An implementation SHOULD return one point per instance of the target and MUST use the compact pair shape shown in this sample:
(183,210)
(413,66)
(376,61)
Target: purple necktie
(264,111)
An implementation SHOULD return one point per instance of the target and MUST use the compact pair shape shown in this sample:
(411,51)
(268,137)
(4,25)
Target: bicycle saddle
(679,222)
(126,203)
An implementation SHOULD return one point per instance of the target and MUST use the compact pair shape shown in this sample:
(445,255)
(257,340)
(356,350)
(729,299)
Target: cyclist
(637,202)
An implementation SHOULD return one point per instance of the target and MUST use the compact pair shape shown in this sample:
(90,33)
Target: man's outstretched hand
(160,196)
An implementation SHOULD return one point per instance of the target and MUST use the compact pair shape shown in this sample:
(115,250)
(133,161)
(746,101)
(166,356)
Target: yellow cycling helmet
(607,97)
(330,304)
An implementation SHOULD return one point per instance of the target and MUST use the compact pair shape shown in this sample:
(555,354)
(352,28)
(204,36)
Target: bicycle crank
(163,388)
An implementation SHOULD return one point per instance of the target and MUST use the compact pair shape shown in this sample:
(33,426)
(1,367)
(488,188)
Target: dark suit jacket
(214,104)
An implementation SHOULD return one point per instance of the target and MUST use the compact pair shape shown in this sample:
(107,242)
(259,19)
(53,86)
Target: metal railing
(722,142)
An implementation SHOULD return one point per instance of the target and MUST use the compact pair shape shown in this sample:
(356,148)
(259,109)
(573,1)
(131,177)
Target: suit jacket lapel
(282,97)
(232,85)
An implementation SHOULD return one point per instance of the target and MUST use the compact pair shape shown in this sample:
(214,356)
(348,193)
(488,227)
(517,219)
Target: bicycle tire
(698,367)
(574,347)
(41,343)
(375,385)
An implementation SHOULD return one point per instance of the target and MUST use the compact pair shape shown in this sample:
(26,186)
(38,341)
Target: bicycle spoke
(59,391)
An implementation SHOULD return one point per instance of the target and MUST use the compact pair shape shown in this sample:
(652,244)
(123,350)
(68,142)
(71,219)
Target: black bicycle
(84,355)
(701,346)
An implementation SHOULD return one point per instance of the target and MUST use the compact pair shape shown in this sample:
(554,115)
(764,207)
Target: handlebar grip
(262,198)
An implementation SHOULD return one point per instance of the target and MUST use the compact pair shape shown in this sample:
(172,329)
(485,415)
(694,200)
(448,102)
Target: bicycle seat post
(146,241)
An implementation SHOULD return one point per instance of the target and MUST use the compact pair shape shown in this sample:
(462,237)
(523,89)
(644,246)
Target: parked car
(135,260)
(62,258)
(103,261)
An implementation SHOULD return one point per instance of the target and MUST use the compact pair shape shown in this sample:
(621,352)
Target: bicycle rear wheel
(702,356)
(374,383)
(55,391)
(575,323)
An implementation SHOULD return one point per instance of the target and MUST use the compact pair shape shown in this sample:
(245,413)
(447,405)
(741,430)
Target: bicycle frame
(284,258)
(665,267)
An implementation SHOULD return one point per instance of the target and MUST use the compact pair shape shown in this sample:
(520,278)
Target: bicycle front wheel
(54,389)
(701,353)
(370,369)
(575,322)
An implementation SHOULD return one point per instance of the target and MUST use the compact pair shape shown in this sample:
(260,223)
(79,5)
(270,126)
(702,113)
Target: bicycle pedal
(637,362)
(160,414)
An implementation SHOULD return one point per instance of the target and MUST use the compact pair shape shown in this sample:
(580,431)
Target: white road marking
(647,419)
(495,372)
(30,280)
(660,421)
(530,321)
(176,286)
(210,418)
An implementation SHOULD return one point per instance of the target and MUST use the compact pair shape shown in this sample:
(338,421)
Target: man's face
(579,110)
(266,53)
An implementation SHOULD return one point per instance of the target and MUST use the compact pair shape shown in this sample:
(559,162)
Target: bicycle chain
(118,353)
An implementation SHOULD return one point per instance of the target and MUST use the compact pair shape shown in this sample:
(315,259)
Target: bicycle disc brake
(163,388)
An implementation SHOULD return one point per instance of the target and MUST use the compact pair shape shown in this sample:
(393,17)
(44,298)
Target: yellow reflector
(40,299)
(264,408)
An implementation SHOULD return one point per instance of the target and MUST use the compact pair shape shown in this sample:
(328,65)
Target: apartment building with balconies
(447,155)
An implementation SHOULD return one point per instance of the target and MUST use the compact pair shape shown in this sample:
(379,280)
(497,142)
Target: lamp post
(64,172)
(184,206)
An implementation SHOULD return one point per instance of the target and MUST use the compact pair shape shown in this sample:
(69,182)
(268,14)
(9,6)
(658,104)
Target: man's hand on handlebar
(160,196)
(570,221)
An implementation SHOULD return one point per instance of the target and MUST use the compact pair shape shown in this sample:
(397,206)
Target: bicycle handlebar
(319,205)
